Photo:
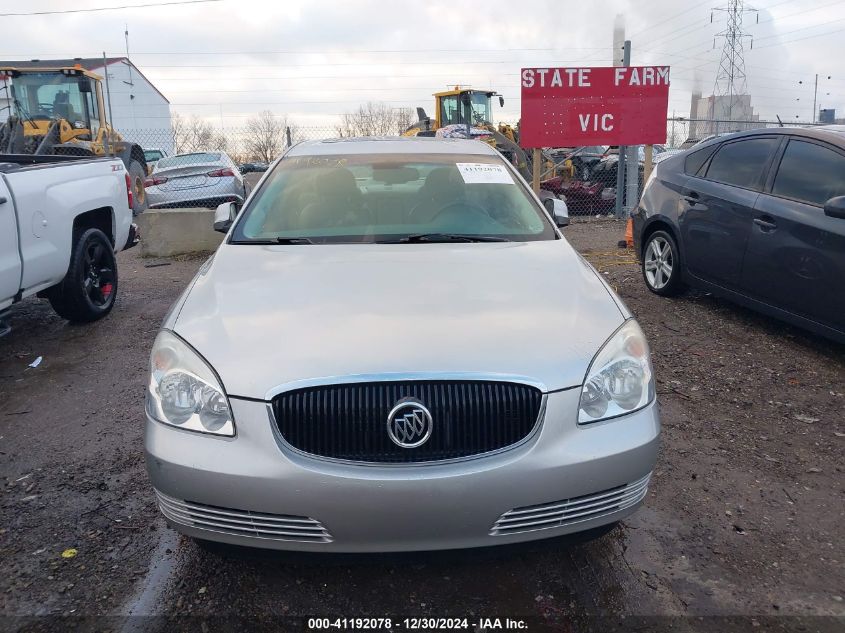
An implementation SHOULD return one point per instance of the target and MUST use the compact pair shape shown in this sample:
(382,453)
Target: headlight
(184,391)
(620,379)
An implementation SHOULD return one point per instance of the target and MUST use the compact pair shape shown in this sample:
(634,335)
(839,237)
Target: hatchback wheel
(661,264)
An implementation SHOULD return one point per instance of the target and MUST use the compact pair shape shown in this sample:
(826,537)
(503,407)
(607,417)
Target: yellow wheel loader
(61,111)
(465,106)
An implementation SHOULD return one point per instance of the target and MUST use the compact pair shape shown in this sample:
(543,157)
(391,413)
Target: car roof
(392,145)
(831,133)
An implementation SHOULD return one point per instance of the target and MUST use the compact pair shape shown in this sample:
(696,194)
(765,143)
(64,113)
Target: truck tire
(136,181)
(88,291)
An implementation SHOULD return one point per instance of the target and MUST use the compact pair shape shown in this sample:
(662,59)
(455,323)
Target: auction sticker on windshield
(485,173)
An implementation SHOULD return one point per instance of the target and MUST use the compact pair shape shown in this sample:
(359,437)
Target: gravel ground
(744,516)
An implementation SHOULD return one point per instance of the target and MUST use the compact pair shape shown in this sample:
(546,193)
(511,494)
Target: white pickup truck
(62,219)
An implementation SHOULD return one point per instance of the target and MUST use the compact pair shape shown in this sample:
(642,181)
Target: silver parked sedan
(367,363)
(201,179)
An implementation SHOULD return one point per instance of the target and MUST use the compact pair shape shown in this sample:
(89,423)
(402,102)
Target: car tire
(661,264)
(88,291)
(136,181)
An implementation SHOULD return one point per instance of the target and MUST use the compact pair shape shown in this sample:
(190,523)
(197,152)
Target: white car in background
(152,155)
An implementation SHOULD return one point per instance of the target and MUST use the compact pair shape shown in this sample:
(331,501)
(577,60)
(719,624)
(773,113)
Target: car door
(715,208)
(10,261)
(796,254)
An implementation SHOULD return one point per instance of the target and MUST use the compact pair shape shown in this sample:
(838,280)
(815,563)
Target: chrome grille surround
(344,420)
(570,511)
(246,523)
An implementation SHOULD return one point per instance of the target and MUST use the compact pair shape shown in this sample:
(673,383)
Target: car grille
(349,421)
(277,527)
(575,510)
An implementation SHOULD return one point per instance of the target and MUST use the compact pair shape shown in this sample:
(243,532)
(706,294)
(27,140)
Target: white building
(134,106)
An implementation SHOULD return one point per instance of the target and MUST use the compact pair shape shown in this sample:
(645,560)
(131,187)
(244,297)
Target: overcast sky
(228,59)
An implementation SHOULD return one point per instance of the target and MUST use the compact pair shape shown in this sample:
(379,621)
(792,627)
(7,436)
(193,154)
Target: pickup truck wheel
(136,181)
(88,290)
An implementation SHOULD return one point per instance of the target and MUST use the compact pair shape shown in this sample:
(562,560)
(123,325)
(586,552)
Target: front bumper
(254,490)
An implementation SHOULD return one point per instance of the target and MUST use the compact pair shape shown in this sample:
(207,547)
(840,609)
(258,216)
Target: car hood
(268,316)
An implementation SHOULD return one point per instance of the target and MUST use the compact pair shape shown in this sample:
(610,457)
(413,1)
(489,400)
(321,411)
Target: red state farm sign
(616,105)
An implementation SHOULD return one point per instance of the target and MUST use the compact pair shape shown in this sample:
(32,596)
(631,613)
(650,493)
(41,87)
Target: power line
(669,19)
(95,9)
(802,12)
(341,51)
(806,37)
(804,28)
(358,63)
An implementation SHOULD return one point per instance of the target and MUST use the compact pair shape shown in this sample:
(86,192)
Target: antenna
(131,81)
(731,79)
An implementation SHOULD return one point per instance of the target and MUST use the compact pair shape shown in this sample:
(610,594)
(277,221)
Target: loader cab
(71,96)
(462,106)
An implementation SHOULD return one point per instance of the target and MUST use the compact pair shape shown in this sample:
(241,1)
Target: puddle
(148,597)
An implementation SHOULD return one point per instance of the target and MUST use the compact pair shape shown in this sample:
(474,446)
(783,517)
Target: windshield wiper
(417,238)
(293,240)
(275,240)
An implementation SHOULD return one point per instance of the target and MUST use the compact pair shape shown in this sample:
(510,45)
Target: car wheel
(661,264)
(89,288)
(136,182)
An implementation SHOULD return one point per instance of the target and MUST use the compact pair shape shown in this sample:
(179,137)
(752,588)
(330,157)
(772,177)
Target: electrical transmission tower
(730,83)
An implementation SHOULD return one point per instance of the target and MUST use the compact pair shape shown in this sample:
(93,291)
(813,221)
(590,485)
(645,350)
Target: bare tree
(194,135)
(265,136)
(405,118)
(375,119)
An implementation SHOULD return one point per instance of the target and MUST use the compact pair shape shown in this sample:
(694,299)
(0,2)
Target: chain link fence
(195,163)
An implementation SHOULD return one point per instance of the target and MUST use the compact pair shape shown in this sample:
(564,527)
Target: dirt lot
(744,516)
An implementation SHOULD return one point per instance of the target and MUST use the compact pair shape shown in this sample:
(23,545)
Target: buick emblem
(409,424)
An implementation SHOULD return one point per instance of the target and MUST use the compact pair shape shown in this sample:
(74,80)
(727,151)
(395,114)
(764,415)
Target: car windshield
(385,197)
(186,160)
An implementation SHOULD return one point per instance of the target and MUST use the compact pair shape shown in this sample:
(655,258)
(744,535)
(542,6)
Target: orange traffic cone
(628,242)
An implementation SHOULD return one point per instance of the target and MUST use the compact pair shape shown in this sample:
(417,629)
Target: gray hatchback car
(757,217)
(367,364)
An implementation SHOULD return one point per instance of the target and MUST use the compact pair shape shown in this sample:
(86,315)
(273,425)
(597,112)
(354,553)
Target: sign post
(622,161)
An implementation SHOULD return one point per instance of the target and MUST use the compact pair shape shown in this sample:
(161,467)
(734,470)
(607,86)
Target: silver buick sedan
(395,349)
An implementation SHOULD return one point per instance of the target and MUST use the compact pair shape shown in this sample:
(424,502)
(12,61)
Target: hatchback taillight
(129,197)
(219,173)
(154,180)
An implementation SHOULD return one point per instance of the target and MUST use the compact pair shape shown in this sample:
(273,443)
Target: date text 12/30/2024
(417,624)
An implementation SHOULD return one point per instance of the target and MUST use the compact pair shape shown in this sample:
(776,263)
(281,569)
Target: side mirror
(224,215)
(835,207)
(501,101)
(558,210)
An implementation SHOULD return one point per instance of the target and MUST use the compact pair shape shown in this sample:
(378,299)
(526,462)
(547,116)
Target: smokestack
(618,39)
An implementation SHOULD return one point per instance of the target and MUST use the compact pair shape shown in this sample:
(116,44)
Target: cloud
(314,61)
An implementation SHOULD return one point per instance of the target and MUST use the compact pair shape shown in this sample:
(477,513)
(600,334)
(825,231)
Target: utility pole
(620,165)
(815,97)
(109,145)
(731,79)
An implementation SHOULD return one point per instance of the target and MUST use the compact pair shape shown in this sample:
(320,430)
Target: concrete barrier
(167,232)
